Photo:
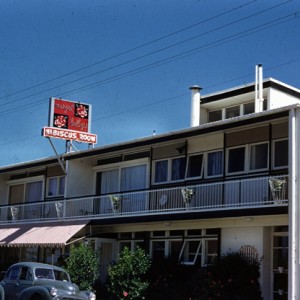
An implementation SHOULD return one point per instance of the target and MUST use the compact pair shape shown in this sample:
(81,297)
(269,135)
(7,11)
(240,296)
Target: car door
(18,278)
(10,280)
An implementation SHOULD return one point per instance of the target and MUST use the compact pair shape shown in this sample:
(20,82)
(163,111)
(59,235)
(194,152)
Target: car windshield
(45,273)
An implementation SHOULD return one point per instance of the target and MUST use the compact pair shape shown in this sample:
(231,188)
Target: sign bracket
(58,157)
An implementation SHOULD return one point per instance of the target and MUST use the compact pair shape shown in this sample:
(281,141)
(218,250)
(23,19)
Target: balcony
(224,195)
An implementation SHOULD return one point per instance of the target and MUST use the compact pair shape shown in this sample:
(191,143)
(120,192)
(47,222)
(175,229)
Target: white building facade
(230,181)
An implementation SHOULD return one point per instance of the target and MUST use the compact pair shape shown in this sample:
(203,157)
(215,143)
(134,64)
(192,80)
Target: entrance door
(108,255)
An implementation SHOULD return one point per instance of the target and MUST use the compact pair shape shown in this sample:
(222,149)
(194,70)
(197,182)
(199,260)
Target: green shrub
(82,265)
(127,276)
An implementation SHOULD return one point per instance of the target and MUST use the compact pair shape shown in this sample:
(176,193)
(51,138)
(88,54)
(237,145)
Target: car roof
(35,265)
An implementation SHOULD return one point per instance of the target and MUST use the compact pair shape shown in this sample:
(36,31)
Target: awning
(52,234)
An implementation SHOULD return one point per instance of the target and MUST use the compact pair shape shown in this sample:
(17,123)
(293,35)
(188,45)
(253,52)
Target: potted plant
(187,194)
(277,187)
(14,213)
(115,202)
(59,208)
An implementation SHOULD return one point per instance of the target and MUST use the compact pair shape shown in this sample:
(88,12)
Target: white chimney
(195,105)
(259,100)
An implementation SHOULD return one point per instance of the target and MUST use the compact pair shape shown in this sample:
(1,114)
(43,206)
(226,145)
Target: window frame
(202,166)
(25,181)
(169,161)
(119,167)
(245,160)
(58,187)
(249,159)
(206,163)
(196,254)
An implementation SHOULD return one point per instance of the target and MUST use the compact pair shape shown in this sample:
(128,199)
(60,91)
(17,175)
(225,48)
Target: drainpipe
(259,88)
(195,105)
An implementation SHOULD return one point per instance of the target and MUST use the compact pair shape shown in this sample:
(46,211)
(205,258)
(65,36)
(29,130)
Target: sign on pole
(70,120)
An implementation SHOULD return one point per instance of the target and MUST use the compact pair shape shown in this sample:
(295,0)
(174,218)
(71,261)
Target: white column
(294,230)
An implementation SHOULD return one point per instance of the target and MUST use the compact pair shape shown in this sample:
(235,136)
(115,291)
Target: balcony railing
(225,195)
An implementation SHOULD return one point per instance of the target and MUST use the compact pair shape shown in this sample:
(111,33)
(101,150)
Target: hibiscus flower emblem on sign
(60,121)
(81,110)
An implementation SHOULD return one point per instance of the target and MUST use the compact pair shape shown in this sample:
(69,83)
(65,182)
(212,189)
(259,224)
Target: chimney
(195,105)
(259,88)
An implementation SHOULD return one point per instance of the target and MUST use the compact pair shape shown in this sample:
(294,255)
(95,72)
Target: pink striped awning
(52,234)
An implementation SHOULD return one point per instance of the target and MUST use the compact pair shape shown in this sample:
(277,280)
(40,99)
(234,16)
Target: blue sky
(133,61)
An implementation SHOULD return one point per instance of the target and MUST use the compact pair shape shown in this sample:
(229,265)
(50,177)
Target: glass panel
(133,178)
(190,252)
(259,156)
(158,233)
(211,251)
(125,245)
(194,168)
(281,154)
(236,160)
(215,163)
(176,232)
(194,232)
(16,193)
(214,116)
(61,190)
(109,181)
(175,247)
(52,186)
(161,171)
(233,111)
(125,235)
(249,108)
(158,250)
(34,191)
(178,168)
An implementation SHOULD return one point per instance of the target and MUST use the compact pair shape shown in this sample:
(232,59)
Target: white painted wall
(233,238)
(80,178)
(280,99)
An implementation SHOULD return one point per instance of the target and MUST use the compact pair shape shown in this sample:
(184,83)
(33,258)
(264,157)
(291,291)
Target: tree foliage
(127,276)
(83,266)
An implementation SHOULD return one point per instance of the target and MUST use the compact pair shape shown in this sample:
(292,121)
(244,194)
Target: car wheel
(36,297)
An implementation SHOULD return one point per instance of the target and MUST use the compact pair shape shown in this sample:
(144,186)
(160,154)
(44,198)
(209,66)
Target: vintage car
(37,281)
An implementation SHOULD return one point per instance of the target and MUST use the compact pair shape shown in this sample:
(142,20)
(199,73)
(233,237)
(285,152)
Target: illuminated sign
(70,115)
(70,120)
(69,135)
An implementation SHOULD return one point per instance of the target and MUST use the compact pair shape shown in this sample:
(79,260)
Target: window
(194,166)
(253,157)
(190,247)
(280,150)
(13,273)
(172,169)
(56,186)
(178,168)
(249,108)
(211,251)
(215,115)
(233,111)
(161,171)
(259,156)
(191,252)
(27,192)
(236,160)
(158,250)
(214,163)
(123,179)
